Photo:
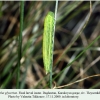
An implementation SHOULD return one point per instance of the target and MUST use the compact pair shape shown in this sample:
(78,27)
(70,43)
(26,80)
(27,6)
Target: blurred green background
(72,16)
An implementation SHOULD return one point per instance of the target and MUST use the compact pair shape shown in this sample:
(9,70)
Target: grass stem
(20,42)
(53,44)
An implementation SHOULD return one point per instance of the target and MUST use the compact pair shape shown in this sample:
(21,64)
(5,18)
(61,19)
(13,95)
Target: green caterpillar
(48,41)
